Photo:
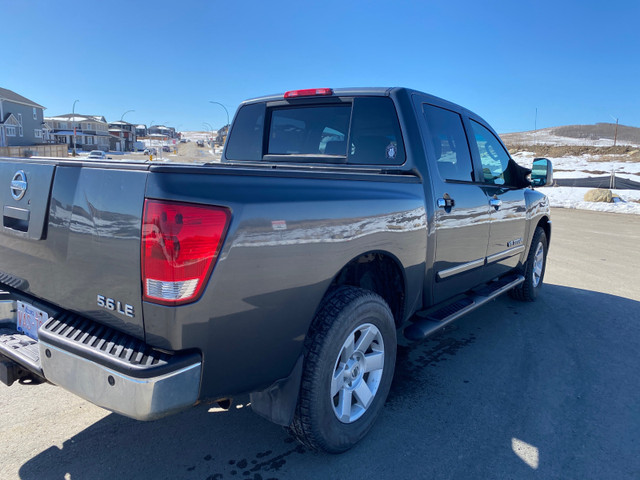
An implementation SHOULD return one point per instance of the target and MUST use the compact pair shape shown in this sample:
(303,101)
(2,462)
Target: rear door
(462,213)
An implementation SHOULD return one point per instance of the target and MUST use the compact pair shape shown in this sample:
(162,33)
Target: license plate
(30,319)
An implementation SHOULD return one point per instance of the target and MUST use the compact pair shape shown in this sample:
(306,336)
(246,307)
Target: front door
(506,199)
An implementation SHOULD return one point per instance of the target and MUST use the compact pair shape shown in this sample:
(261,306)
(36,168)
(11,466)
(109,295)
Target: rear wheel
(349,362)
(533,269)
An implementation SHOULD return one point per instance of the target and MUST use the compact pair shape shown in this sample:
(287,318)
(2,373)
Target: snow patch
(573,197)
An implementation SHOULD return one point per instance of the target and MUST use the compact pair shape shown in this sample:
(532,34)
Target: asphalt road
(541,390)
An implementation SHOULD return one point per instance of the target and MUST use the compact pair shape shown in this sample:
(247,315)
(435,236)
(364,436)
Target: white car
(99,154)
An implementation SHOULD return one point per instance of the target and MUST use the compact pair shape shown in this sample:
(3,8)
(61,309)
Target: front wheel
(534,268)
(350,356)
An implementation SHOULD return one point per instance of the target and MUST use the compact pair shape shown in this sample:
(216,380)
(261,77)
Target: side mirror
(541,172)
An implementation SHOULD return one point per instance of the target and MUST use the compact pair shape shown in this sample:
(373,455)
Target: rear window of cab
(358,131)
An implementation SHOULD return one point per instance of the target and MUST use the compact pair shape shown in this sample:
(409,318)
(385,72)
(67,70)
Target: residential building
(125,131)
(141,130)
(91,131)
(21,120)
(162,131)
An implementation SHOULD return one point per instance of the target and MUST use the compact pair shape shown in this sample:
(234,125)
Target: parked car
(337,223)
(200,143)
(166,148)
(98,154)
(150,151)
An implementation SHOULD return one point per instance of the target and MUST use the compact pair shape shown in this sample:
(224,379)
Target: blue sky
(575,61)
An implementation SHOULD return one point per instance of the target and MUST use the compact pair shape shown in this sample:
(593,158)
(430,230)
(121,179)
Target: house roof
(12,96)
(10,119)
(78,117)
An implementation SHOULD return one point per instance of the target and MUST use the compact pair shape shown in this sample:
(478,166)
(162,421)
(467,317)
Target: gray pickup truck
(337,223)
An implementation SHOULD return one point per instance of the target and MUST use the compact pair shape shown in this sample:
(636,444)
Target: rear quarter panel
(289,236)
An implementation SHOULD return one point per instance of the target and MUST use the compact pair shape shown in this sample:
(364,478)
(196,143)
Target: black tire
(343,312)
(528,290)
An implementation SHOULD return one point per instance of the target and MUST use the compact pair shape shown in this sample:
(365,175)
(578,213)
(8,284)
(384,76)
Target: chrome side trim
(505,254)
(139,398)
(442,274)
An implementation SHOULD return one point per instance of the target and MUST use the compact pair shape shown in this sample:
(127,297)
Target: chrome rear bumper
(108,368)
(139,398)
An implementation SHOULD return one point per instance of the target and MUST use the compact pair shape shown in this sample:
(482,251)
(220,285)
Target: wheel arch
(380,272)
(545,224)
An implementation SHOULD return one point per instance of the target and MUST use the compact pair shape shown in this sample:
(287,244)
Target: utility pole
(615,135)
(535,128)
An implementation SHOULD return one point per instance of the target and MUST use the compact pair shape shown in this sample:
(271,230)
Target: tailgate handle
(16,218)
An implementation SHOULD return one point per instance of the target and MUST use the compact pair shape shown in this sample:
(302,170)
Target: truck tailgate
(71,232)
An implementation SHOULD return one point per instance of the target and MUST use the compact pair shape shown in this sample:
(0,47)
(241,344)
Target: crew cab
(338,222)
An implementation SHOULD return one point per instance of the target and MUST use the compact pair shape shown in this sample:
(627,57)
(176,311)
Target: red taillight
(309,92)
(180,246)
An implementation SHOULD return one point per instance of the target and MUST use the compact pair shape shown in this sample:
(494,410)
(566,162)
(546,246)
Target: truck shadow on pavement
(513,390)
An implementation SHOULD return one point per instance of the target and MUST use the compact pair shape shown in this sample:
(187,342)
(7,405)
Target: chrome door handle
(446,202)
(495,202)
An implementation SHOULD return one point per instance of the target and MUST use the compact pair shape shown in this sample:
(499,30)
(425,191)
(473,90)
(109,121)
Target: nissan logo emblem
(18,185)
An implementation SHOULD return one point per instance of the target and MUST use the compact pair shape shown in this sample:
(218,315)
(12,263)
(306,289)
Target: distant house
(162,131)
(141,130)
(91,131)
(21,120)
(125,131)
(222,135)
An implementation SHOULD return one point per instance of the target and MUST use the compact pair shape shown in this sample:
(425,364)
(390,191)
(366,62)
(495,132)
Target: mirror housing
(541,172)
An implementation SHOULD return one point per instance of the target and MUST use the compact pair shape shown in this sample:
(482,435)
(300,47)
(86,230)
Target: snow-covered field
(573,197)
(586,165)
(194,136)
(589,166)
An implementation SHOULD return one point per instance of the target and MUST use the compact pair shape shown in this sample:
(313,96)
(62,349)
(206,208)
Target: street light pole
(226,111)
(210,128)
(73,113)
(149,134)
(130,133)
(122,116)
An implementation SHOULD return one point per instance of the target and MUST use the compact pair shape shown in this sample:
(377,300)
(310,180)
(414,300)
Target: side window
(494,158)
(449,143)
(245,139)
(375,133)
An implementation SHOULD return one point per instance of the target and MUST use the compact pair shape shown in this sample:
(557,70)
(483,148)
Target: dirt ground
(624,153)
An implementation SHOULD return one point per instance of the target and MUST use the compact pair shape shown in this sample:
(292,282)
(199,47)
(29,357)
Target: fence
(35,151)
(598,182)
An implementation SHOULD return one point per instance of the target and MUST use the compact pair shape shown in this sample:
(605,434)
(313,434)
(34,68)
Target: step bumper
(135,397)
(106,367)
